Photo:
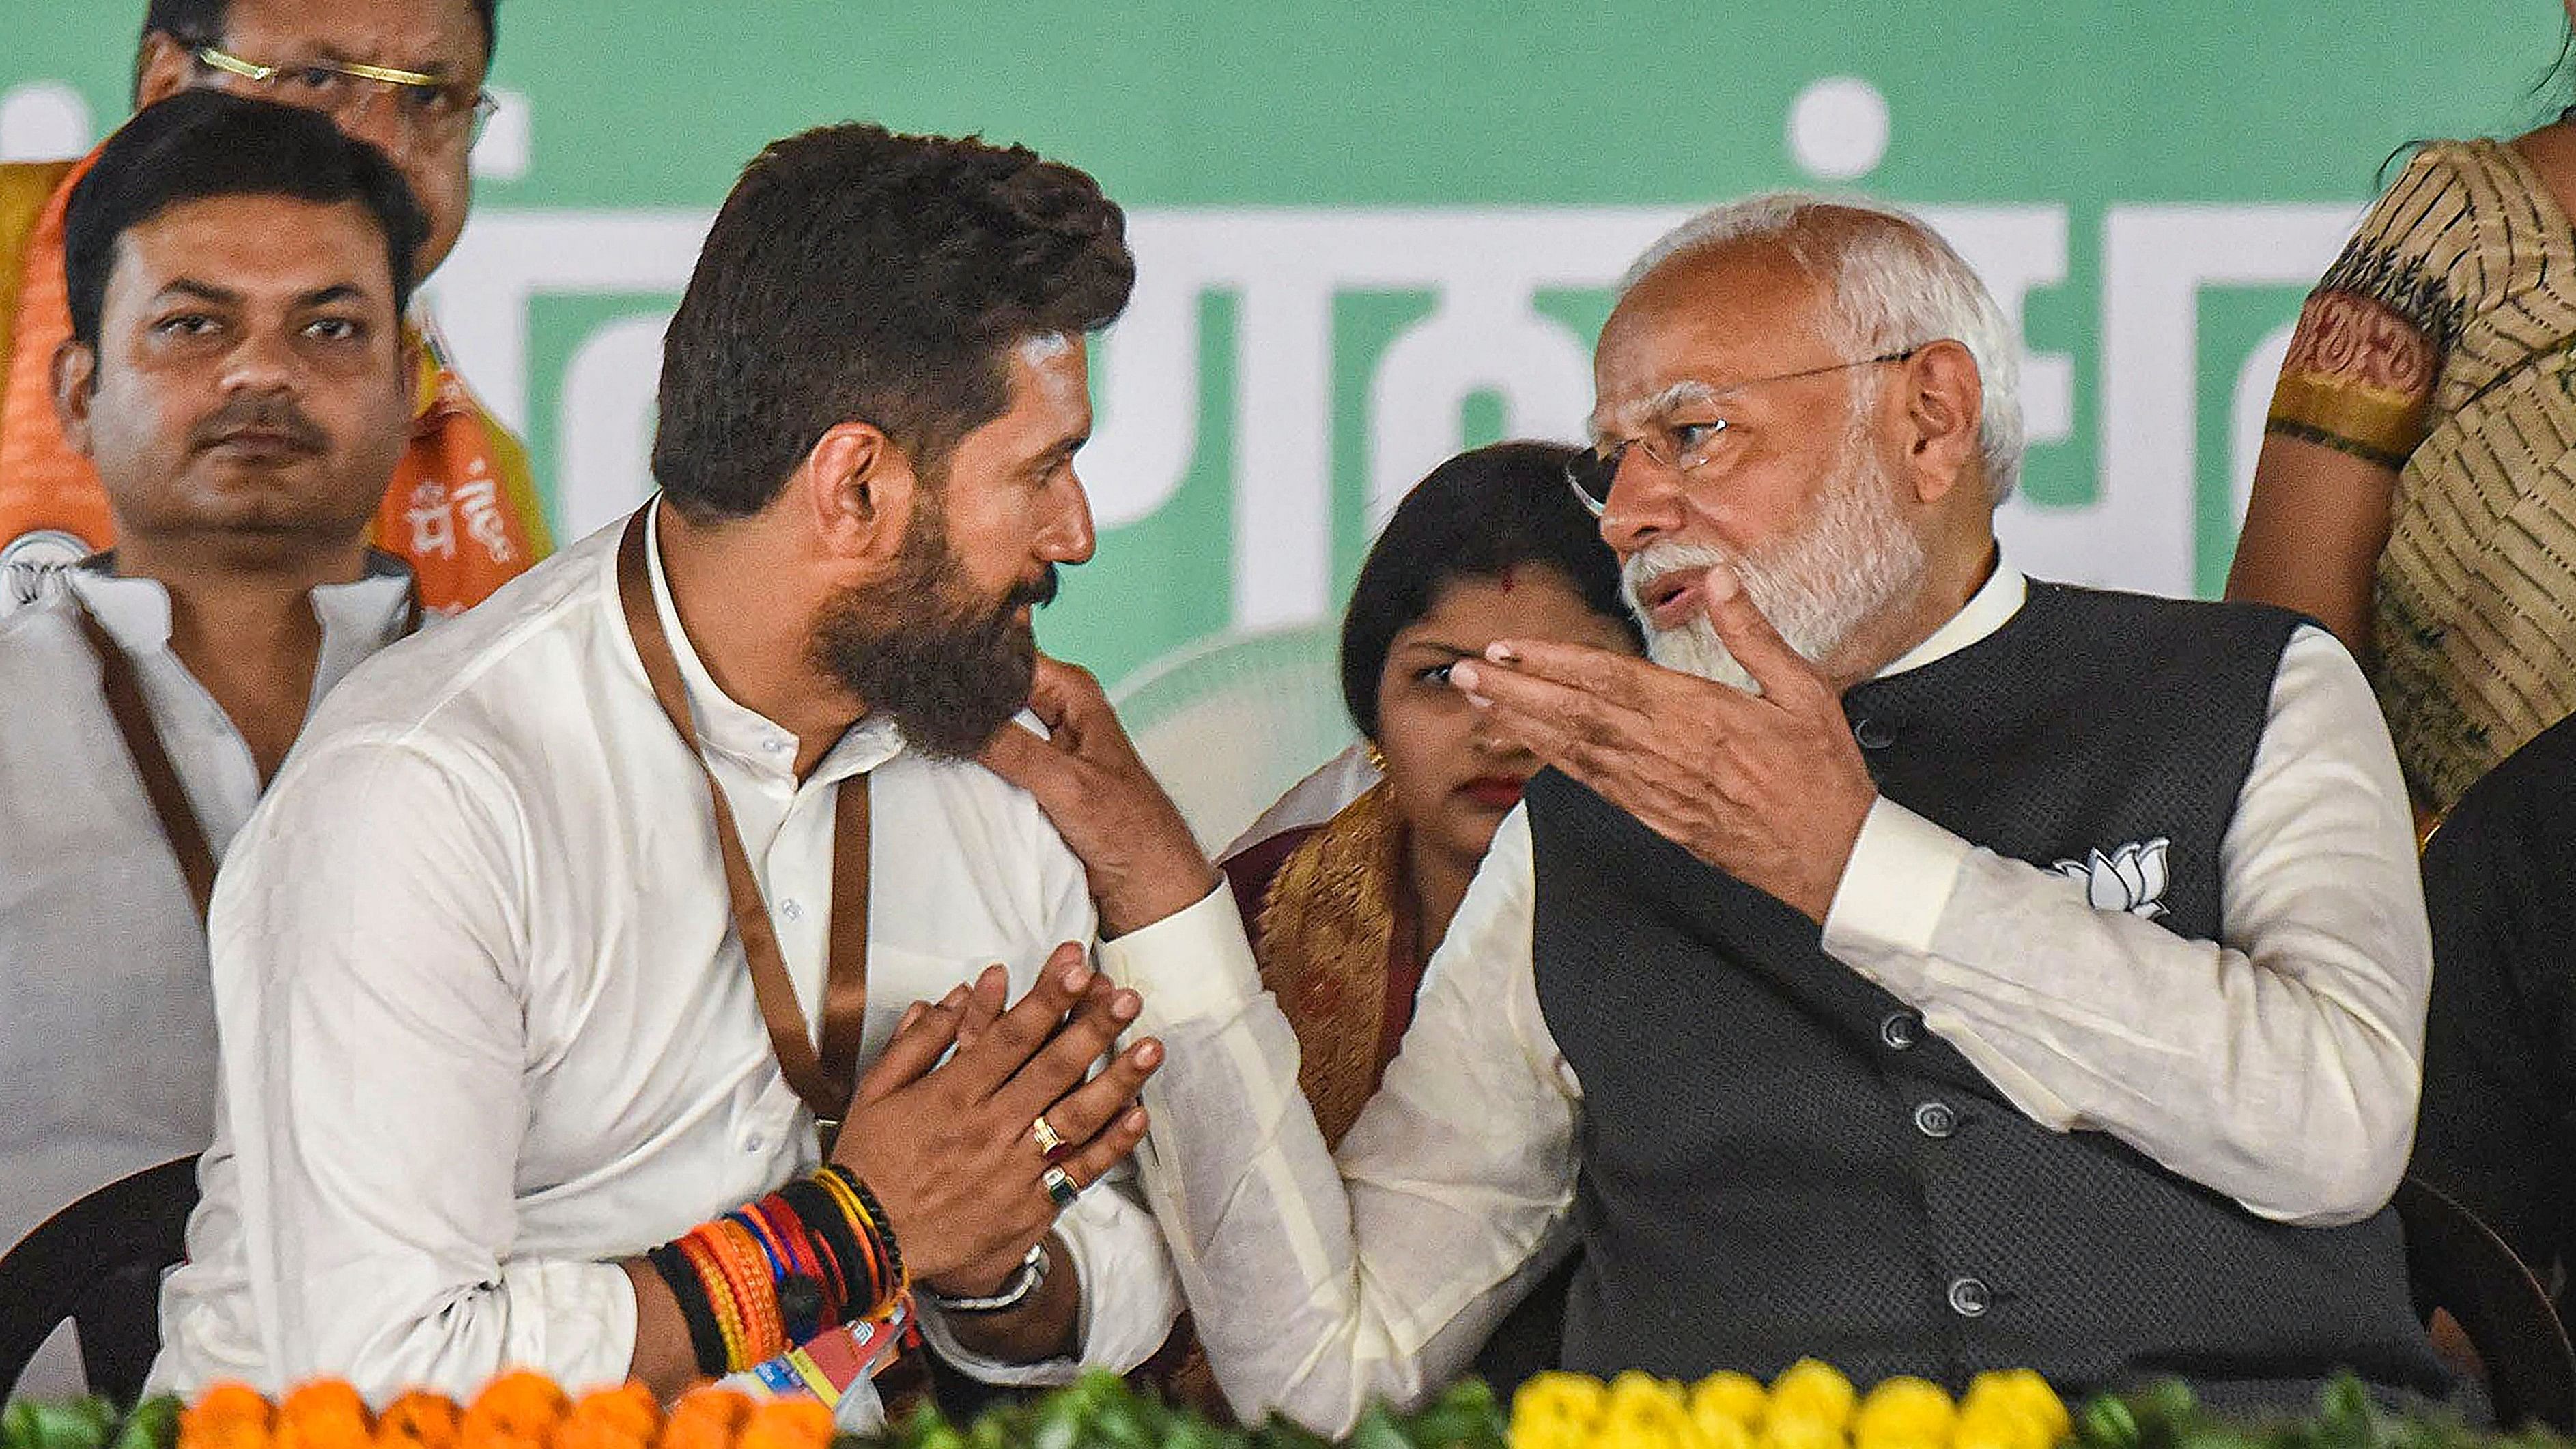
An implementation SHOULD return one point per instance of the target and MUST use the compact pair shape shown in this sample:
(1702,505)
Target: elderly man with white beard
(1914,966)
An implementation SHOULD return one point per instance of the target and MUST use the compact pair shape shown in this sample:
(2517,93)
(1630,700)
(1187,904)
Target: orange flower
(620,1418)
(324,1414)
(705,1418)
(227,1416)
(518,1410)
(419,1420)
(798,1423)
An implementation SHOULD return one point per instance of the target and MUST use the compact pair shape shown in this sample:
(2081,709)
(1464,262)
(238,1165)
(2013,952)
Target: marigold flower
(1787,1429)
(2012,1409)
(2024,1391)
(1810,1390)
(518,1410)
(227,1416)
(323,1414)
(1720,1432)
(797,1423)
(705,1418)
(1729,1395)
(420,1419)
(1558,1403)
(1905,1413)
(1645,1412)
(625,1417)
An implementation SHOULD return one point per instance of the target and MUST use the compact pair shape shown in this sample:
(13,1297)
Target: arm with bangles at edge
(1045,1326)
(967,1224)
(2319,514)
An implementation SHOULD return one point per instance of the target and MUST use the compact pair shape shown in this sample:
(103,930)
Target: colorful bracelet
(782,1269)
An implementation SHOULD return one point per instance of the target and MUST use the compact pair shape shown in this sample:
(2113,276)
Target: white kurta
(107,1028)
(486,1022)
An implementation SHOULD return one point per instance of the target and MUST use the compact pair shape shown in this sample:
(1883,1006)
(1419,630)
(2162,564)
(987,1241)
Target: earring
(1377,761)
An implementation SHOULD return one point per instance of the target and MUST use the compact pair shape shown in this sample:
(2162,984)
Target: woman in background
(1344,915)
(1348,884)
(2417,485)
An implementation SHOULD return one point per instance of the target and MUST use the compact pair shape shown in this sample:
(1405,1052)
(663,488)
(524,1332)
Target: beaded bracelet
(776,1271)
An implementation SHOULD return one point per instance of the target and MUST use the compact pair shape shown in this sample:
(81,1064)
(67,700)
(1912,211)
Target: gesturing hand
(1768,788)
(1136,850)
(949,1147)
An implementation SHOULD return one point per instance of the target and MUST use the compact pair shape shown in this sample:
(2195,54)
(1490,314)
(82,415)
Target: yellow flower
(2011,1409)
(1729,1395)
(1810,1391)
(1719,1432)
(1556,1409)
(1998,1428)
(1645,1412)
(1785,1429)
(1904,1413)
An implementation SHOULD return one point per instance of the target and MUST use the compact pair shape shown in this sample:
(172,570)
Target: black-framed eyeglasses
(432,109)
(1681,443)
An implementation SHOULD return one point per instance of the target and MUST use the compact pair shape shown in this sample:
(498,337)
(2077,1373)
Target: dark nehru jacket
(1779,1160)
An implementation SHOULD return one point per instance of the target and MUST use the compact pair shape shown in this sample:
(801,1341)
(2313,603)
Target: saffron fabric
(462,508)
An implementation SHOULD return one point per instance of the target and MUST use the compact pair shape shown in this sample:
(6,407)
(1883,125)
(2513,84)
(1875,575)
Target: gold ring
(1050,1141)
(1059,1186)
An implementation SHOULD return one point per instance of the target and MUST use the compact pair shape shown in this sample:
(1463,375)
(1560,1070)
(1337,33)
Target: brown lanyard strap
(824,1082)
(179,823)
(180,827)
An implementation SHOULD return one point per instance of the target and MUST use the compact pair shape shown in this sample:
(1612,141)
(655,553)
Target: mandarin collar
(735,730)
(136,611)
(1990,608)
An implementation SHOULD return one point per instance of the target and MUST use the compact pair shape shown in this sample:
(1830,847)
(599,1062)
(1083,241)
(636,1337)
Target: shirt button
(791,910)
(1901,1030)
(776,746)
(755,1143)
(1872,735)
(1968,1297)
(1935,1120)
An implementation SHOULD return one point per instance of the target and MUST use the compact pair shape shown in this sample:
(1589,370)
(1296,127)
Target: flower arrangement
(1809,1406)
(514,1411)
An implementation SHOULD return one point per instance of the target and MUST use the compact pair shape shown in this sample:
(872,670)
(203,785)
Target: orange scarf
(462,510)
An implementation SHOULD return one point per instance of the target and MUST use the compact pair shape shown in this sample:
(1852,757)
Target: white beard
(1818,586)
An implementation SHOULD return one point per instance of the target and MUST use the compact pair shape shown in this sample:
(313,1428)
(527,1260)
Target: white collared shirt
(2279,1067)
(107,1028)
(486,1023)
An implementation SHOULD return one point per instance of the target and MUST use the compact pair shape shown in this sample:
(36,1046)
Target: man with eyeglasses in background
(1913,965)
(405,76)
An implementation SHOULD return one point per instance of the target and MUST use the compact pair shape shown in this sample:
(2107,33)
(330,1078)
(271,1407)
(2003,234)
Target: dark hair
(201,22)
(1481,513)
(856,274)
(206,143)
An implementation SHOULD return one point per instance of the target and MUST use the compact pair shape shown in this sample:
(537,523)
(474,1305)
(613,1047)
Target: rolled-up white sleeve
(1319,1287)
(2280,1066)
(1130,1297)
(376,1045)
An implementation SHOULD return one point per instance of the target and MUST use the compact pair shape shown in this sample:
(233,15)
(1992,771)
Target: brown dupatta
(1336,942)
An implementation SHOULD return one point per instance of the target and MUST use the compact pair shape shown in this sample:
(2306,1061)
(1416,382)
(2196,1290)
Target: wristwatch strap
(1014,1290)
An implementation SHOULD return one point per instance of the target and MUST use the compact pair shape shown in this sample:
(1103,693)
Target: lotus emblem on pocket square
(2131,878)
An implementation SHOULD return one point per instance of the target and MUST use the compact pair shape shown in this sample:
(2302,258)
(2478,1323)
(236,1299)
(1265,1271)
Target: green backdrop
(1373,233)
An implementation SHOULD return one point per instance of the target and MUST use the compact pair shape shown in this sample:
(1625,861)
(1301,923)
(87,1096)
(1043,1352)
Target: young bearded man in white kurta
(236,274)
(488,1031)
